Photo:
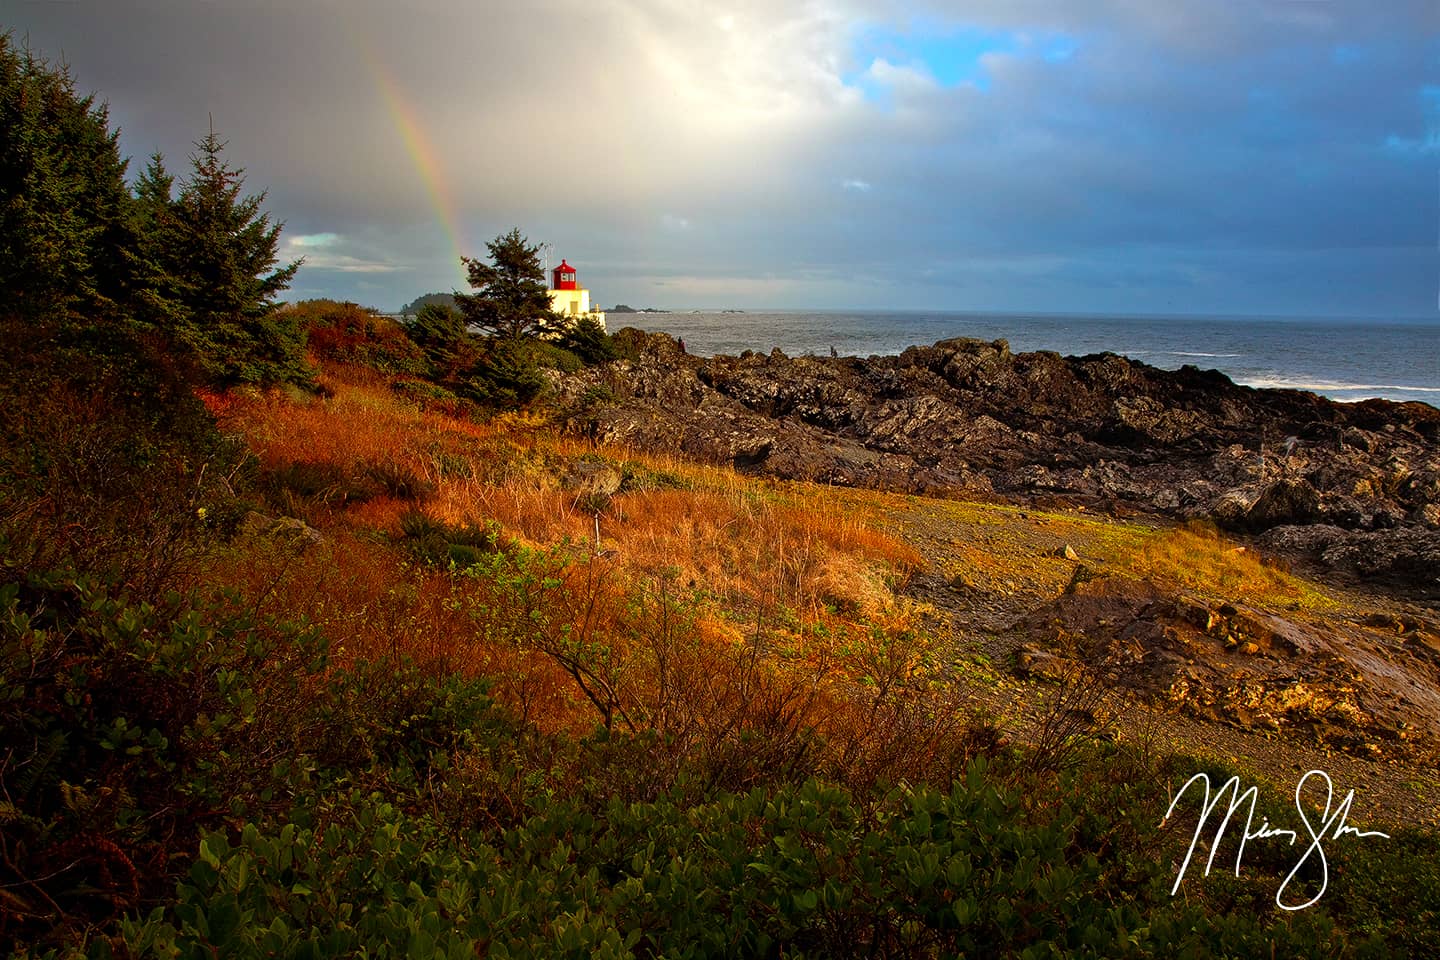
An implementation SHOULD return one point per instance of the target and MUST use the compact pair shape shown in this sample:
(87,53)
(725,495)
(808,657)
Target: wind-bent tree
(217,252)
(511,300)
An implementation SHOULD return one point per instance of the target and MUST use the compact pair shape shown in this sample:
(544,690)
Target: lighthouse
(570,299)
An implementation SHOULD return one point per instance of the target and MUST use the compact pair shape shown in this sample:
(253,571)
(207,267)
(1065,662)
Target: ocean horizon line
(1408,319)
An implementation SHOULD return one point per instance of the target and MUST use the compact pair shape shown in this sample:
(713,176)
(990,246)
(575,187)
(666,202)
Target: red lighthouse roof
(565,277)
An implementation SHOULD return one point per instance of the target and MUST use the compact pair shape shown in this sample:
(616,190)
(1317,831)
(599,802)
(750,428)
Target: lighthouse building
(567,297)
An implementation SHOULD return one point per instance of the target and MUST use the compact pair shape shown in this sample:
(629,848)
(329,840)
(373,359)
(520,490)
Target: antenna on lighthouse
(547,247)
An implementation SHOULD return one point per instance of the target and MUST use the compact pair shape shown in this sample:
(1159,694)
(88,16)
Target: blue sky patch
(1059,49)
(1344,53)
(950,54)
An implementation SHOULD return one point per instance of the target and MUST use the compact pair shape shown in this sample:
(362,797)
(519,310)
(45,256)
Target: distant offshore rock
(968,417)
(626,308)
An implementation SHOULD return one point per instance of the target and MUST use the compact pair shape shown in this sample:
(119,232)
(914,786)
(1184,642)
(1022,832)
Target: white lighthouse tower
(567,297)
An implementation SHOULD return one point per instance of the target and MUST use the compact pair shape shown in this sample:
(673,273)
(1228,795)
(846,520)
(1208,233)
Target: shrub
(600,395)
(108,462)
(628,343)
(429,396)
(799,870)
(508,374)
(129,726)
(442,336)
(434,541)
(588,341)
(551,355)
(637,476)
(340,484)
(348,333)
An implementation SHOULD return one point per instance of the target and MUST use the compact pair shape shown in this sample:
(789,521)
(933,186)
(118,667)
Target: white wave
(1186,353)
(1328,386)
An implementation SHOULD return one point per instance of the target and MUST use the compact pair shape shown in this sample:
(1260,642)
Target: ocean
(1345,359)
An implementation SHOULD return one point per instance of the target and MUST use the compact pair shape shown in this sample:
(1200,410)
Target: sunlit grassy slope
(746,559)
(813,574)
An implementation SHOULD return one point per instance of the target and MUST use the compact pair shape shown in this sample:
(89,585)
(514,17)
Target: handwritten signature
(1331,827)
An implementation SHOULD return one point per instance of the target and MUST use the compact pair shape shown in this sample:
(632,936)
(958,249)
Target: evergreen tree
(506,375)
(217,252)
(154,195)
(157,235)
(449,348)
(64,207)
(588,340)
(512,300)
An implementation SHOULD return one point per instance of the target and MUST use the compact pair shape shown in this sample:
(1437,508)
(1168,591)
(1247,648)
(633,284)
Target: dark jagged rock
(1288,500)
(1399,557)
(970,416)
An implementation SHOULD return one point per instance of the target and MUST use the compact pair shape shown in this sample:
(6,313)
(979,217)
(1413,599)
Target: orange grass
(744,555)
(741,540)
(373,605)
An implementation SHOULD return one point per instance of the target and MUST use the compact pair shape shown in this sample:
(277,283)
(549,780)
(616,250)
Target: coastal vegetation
(321,635)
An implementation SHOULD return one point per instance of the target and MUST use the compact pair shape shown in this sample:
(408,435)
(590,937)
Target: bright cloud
(1089,140)
(313,240)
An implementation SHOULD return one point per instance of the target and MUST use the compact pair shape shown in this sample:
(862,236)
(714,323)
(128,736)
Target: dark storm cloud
(1273,155)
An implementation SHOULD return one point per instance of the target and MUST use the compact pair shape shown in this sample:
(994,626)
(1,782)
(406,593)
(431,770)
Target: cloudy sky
(1223,156)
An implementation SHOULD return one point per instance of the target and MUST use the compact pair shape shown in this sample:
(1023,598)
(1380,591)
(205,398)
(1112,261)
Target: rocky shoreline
(1352,488)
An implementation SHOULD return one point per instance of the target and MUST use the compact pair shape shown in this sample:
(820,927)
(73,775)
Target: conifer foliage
(64,206)
(511,300)
(439,331)
(79,249)
(216,253)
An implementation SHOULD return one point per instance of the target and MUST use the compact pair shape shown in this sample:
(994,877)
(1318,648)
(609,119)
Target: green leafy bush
(802,870)
(553,355)
(130,725)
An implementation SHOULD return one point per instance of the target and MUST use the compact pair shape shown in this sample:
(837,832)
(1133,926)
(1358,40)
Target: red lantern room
(565,277)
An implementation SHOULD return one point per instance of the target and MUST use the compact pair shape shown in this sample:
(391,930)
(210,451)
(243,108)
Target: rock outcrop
(968,417)
(1369,685)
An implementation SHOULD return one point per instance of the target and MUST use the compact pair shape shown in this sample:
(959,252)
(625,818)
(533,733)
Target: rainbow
(422,151)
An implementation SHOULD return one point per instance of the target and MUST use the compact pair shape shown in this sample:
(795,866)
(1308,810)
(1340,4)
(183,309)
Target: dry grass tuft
(1197,558)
